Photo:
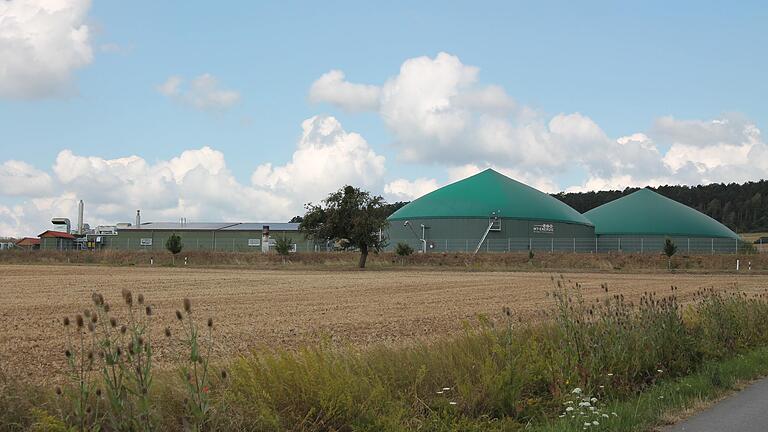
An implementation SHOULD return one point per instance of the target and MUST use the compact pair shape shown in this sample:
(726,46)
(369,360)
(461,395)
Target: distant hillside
(741,207)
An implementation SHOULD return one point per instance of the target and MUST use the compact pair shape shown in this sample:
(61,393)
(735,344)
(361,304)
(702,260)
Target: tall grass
(499,374)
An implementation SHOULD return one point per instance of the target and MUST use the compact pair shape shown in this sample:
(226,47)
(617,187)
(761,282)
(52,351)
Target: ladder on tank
(494,224)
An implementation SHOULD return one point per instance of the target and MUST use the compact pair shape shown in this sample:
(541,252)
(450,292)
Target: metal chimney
(138,218)
(80,217)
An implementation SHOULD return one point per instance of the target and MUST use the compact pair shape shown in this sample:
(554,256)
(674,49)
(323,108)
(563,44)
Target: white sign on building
(544,228)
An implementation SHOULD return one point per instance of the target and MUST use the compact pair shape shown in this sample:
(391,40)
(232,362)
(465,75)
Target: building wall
(515,235)
(56,243)
(216,240)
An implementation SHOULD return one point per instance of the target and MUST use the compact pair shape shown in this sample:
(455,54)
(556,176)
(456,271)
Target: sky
(245,111)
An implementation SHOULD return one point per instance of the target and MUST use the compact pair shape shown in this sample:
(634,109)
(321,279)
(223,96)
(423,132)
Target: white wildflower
(593,400)
(576,391)
(569,409)
(596,423)
(452,403)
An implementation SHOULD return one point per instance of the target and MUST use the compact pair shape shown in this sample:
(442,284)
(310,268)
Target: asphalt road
(745,411)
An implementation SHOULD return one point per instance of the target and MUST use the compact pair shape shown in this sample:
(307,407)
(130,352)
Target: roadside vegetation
(581,367)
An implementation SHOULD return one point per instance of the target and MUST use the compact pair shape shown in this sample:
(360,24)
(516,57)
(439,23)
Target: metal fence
(643,245)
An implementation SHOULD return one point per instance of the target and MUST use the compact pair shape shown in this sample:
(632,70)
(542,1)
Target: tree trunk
(363,255)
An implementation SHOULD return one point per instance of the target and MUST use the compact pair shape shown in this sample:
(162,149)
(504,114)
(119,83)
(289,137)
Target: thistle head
(113,322)
(210,322)
(66,321)
(178,315)
(79,321)
(167,332)
(148,310)
(187,305)
(141,299)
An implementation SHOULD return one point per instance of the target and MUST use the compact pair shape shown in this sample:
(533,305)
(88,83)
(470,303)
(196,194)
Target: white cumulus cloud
(327,158)
(22,179)
(42,43)
(408,190)
(196,184)
(439,112)
(203,92)
(333,88)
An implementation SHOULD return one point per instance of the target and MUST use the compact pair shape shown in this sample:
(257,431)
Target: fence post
(641,246)
(509,244)
(619,244)
(530,244)
(713,245)
(689,245)
(446,245)
(574,245)
(595,244)
(553,244)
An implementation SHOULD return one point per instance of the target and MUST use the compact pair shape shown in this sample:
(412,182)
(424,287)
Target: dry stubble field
(290,308)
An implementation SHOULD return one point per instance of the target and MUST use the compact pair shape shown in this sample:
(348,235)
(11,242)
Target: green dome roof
(647,213)
(486,192)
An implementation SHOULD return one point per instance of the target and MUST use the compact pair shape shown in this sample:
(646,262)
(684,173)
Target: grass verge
(673,400)
(584,361)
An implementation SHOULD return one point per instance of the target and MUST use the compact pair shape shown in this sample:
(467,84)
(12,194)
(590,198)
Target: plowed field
(288,308)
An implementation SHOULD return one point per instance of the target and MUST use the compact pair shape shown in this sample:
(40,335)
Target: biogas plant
(487,212)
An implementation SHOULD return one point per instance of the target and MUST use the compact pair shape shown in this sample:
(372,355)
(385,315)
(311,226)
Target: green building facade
(222,237)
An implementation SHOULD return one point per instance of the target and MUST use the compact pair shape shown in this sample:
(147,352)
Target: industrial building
(232,237)
(57,240)
(487,212)
(641,221)
(490,212)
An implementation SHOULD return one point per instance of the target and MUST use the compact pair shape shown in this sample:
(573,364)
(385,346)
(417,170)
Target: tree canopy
(350,216)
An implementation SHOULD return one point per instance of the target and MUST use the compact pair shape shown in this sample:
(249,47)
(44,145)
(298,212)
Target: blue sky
(670,75)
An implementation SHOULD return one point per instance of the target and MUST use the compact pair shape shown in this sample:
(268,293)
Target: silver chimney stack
(80,217)
(138,218)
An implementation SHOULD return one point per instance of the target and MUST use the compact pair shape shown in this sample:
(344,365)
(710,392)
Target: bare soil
(261,309)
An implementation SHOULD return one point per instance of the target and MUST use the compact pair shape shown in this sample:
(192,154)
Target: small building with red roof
(28,243)
(57,240)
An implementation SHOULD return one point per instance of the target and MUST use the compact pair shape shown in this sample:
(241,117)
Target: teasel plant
(125,361)
(79,398)
(195,372)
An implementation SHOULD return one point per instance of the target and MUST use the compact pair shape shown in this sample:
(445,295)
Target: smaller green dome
(646,212)
(487,192)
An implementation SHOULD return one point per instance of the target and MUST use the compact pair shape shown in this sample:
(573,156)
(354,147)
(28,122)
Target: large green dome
(645,212)
(487,192)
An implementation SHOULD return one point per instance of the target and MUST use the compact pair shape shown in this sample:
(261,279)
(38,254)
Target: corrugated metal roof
(486,192)
(213,226)
(273,226)
(59,234)
(646,212)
